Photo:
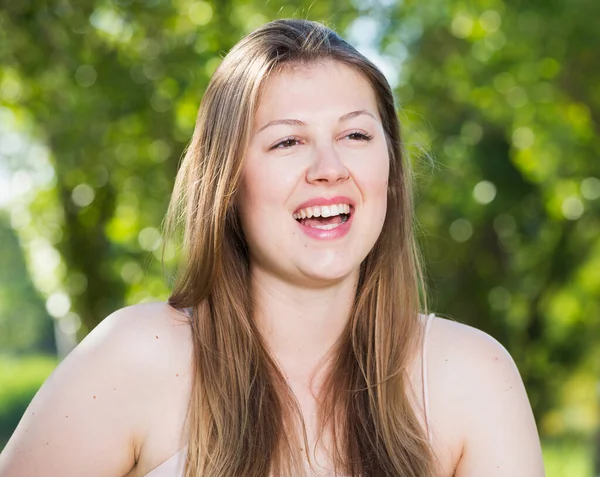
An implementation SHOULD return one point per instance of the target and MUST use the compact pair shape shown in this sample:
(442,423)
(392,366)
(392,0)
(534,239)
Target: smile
(325,221)
(325,217)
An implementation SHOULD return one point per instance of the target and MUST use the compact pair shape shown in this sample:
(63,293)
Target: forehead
(300,91)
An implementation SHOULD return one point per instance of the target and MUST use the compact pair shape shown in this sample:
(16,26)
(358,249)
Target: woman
(304,352)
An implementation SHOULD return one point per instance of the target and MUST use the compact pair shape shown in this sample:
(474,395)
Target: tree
(501,96)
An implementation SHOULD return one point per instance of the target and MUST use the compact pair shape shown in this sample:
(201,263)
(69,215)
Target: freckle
(114,389)
(177,375)
(66,416)
(94,397)
(156,336)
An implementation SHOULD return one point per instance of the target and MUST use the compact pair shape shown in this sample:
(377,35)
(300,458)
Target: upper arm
(500,438)
(84,419)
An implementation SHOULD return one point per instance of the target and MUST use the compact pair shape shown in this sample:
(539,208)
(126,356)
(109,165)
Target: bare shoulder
(469,361)
(466,363)
(458,342)
(159,332)
(479,403)
(97,401)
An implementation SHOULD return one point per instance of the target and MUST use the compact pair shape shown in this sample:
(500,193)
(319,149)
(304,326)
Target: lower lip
(321,234)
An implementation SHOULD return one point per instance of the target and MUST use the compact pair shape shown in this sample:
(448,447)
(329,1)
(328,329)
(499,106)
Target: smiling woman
(306,347)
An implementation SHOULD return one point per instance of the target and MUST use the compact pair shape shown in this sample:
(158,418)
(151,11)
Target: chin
(324,272)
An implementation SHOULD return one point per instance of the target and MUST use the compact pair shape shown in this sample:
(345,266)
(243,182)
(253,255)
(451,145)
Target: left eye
(358,136)
(286,143)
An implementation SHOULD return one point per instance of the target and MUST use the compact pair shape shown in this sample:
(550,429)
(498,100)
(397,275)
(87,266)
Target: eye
(359,136)
(285,144)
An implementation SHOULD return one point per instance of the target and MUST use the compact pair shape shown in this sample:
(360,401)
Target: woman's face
(314,189)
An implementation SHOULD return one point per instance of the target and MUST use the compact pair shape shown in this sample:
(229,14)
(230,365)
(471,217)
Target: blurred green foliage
(24,323)
(503,94)
(98,100)
(568,457)
(21,379)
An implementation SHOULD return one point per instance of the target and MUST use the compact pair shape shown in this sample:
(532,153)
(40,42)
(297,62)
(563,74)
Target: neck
(301,325)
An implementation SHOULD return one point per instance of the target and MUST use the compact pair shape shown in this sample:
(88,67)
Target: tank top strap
(424,375)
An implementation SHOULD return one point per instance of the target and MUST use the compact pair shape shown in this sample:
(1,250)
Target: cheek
(262,188)
(263,193)
(372,179)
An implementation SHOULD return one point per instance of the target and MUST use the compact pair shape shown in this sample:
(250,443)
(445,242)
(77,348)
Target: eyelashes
(292,141)
(361,136)
(285,144)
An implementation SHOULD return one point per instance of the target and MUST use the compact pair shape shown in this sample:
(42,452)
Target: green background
(500,106)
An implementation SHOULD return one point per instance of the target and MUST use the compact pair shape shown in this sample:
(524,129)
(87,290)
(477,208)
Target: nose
(327,167)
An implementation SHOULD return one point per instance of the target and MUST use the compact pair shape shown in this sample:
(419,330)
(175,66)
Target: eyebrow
(297,122)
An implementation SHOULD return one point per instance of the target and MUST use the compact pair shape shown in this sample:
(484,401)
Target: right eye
(286,143)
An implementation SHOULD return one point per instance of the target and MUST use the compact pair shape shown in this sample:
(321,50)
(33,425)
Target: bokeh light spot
(70,323)
(83,195)
(462,26)
(490,20)
(76,283)
(572,208)
(159,150)
(461,230)
(10,89)
(200,13)
(149,239)
(471,133)
(590,188)
(106,20)
(523,138)
(58,304)
(86,75)
(454,147)
(131,272)
(22,183)
(517,97)
(484,192)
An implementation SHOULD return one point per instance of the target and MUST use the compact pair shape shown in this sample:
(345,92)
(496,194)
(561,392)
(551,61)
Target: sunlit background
(500,105)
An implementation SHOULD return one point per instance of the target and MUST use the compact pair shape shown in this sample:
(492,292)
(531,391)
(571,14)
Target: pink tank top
(174,465)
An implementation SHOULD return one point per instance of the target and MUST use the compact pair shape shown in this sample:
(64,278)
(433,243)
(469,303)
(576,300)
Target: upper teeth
(322,211)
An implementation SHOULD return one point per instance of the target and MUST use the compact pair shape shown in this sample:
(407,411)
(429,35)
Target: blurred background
(500,105)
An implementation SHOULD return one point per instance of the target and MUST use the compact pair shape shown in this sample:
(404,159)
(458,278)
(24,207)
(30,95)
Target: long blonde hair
(242,414)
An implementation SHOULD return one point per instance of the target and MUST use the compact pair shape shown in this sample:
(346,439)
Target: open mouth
(324,217)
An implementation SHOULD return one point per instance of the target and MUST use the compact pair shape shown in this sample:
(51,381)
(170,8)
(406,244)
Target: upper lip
(321,201)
